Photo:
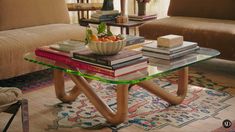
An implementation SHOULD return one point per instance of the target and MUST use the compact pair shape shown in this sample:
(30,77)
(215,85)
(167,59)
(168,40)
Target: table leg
(121,30)
(60,88)
(172,99)
(135,31)
(127,30)
(82,85)
(104,109)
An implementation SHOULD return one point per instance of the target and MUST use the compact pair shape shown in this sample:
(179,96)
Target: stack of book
(126,61)
(153,50)
(142,18)
(101,16)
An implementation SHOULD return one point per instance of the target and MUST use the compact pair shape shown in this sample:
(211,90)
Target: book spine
(104,16)
(129,63)
(89,59)
(143,16)
(52,56)
(93,68)
(49,50)
(107,12)
(69,61)
(99,20)
(141,19)
(135,41)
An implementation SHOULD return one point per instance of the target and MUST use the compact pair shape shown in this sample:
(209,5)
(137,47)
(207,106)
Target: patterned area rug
(149,113)
(198,79)
(145,110)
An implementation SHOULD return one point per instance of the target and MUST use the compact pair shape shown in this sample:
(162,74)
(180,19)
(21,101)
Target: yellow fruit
(94,37)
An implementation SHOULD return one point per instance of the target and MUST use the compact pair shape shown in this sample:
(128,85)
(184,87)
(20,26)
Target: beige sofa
(27,24)
(211,23)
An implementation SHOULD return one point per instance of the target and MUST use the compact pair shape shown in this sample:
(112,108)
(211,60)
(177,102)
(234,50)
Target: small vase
(141,8)
(107,5)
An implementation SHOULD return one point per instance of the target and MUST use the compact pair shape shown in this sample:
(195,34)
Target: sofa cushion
(221,9)
(213,33)
(15,43)
(26,13)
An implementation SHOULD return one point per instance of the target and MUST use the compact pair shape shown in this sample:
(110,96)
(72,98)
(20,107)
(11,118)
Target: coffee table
(142,78)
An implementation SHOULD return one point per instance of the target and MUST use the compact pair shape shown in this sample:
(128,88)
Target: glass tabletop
(156,67)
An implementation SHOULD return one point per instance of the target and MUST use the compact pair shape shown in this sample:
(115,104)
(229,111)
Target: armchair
(10,102)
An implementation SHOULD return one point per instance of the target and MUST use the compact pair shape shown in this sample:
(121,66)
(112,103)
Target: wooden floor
(41,116)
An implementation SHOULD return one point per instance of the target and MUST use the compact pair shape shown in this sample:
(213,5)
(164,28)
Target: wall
(158,7)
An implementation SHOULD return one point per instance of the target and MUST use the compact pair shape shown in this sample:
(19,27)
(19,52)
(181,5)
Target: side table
(127,26)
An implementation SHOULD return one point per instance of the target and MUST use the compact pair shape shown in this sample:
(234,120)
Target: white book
(178,61)
(71,43)
(153,47)
(169,56)
(65,49)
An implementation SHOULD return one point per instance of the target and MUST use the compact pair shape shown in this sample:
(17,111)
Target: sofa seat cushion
(212,33)
(15,43)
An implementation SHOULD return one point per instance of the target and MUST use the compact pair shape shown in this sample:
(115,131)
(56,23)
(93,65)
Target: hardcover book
(169,56)
(122,56)
(84,66)
(176,61)
(153,47)
(142,18)
(71,43)
(116,66)
(99,16)
(131,39)
(107,12)
(49,50)
(65,49)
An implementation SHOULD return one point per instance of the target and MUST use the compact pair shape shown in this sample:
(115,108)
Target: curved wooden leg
(104,109)
(60,89)
(172,99)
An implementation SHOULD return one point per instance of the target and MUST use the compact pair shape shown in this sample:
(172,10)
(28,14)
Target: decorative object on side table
(107,5)
(142,7)
(123,18)
(104,42)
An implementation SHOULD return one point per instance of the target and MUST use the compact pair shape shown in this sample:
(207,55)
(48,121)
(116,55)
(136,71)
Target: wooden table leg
(127,30)
(172,99)
(82,85)
(121,28)
(60,88)
(104,109)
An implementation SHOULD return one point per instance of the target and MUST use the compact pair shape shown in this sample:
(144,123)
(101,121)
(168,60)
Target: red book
(50,50)
(84,66)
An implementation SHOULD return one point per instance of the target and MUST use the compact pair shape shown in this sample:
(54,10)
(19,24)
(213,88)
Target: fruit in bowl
(104,42)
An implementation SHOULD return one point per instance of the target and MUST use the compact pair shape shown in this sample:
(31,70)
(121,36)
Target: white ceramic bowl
(107,48)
